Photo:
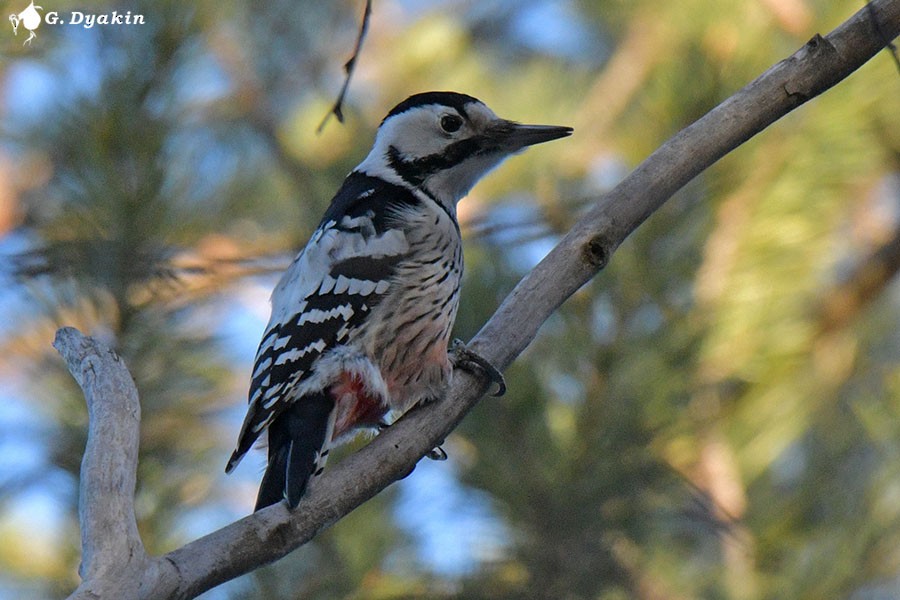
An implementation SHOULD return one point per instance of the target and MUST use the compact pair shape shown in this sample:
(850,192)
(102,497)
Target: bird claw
(437,453)
(464,358)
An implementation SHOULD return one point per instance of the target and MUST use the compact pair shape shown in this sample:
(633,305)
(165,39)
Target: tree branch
(272,533)
(110,543)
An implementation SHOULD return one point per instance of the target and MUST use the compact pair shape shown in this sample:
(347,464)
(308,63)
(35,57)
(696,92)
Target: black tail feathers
(296,438)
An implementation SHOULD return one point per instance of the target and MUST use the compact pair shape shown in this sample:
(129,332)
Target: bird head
(14,19)
(444,142)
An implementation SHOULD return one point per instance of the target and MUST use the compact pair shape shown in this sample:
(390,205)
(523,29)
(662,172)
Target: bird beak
(514,136)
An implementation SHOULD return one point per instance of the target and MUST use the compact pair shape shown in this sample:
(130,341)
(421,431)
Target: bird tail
(296,448)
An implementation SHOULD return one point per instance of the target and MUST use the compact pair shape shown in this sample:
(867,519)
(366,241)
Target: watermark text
(88,20)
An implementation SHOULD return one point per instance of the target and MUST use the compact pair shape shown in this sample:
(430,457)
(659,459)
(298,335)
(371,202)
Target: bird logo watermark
(31,19)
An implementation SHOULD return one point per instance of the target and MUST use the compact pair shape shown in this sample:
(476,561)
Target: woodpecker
(361,319)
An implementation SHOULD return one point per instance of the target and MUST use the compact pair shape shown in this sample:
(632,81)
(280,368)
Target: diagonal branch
(272,533)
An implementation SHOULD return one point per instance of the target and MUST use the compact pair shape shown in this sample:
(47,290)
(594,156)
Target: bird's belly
(422,374)
(410,349)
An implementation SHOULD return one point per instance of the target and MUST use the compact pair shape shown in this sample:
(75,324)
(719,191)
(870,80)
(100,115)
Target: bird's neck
(378,165)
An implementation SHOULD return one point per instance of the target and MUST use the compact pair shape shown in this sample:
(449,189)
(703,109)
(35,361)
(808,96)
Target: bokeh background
(717,415)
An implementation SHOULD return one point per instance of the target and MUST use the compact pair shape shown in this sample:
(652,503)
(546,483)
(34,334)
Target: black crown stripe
(452,99)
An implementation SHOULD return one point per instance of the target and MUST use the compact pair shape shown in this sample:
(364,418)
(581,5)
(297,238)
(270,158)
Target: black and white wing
(324,296)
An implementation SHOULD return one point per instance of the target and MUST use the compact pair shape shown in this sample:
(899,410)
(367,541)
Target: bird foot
(436,453)
(464,358)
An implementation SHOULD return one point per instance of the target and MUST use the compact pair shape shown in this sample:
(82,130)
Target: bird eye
(451,123)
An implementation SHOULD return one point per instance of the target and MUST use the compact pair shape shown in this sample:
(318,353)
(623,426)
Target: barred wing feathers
(324,296)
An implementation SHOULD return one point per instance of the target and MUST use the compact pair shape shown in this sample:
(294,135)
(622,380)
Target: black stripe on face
(415,171)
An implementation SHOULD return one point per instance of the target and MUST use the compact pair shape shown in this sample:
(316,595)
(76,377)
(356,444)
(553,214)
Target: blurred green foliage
(715,416)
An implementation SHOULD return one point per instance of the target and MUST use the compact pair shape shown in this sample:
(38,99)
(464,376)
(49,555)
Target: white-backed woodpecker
(361,320)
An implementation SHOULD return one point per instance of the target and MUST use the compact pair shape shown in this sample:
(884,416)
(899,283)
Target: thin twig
(337,109)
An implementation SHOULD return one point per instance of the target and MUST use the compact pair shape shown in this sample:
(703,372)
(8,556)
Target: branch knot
(598,250)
